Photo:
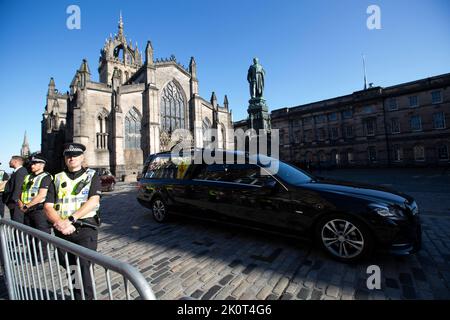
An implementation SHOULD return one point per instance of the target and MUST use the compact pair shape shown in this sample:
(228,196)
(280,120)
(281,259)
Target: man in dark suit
(3,180)
(13,188)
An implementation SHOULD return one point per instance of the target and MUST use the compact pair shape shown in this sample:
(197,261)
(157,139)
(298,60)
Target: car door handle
(299,211)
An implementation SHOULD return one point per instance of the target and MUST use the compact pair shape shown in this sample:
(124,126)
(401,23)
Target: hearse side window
(237,173)
(165,168)
(214,172)
(246,174)
(157,169)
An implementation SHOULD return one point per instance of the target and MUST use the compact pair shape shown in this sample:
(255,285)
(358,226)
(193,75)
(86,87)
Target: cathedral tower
(117,53)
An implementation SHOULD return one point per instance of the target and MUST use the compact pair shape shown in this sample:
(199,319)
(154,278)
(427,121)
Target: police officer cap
(38,159)
(73,149)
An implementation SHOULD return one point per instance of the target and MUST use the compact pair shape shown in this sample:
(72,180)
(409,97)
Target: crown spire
(120,24)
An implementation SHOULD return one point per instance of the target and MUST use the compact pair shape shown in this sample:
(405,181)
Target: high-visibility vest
(67,200)
(30,187)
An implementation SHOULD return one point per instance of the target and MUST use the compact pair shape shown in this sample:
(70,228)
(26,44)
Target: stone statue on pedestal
(255,78)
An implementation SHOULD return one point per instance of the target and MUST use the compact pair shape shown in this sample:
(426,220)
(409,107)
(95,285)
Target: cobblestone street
(188,258)
(208,261)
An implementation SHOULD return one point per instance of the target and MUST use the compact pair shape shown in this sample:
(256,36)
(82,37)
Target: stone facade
(402,125)
(131,112)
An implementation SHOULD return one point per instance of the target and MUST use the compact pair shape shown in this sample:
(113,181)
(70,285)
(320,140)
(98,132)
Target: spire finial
(365,76)
(25,150)
(120,24)
(213,99)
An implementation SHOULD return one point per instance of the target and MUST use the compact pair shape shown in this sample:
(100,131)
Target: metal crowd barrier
(30,260)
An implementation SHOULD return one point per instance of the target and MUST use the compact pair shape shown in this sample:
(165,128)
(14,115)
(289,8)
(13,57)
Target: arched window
(350,156)
(206,126)
(172,108)
(419,153)
(442,152)
(102,131)
(321,158)
(133,130)
(119,52)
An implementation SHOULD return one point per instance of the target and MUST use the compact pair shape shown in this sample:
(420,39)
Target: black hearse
(348,220)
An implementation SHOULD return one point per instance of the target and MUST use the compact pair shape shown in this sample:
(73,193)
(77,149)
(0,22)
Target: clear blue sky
(311,50)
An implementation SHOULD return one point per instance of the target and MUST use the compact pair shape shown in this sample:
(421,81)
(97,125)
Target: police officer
(34,191)
(75,198)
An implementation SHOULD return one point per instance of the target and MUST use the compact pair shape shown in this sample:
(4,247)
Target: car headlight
(387,211)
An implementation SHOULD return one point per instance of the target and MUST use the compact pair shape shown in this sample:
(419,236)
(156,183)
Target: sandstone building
(401,125)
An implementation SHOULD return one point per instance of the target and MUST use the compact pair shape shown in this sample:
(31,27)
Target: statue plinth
(257,104)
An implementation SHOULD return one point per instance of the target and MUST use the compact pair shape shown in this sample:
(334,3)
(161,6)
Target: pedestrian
(34,192)
(3,180)
(74,197)
(13,188)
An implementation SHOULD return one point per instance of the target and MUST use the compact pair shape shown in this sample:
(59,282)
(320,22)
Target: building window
(436,97)
(133,130)
(439,120)
(350,156)
(332,116)
(320,119)
(334,133)
(297,136)
(442,152)
(307,121)
(102,132)
(392,104)
(308,157)
(172,108)
(347,114)
(416,123)
(321,157)
(368,109)
(348,131)
(413,101)
(372,153)
(308,135)
(370,127)
(419,153)
(397,153)
(321,134)
(395,126)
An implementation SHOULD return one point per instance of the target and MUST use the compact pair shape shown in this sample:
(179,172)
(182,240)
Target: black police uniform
(84,236)
(35,216)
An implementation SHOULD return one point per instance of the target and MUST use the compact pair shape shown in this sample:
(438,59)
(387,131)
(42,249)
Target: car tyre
(159,210)
(344,238)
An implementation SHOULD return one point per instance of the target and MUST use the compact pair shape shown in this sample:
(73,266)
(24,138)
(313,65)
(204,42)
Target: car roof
(214,151)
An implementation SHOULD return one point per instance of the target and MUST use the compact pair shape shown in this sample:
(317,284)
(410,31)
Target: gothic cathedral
(132,111)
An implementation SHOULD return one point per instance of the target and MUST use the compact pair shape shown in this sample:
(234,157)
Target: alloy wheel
(342,239)
(159,210)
